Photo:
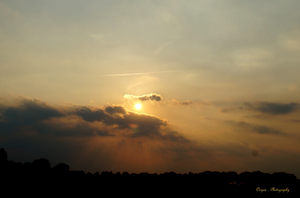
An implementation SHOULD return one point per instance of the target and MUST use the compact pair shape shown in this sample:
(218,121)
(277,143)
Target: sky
(218,84)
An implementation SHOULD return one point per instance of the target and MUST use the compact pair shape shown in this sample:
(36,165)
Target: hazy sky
(218,82)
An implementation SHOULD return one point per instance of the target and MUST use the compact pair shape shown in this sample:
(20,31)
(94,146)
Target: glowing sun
(138,106)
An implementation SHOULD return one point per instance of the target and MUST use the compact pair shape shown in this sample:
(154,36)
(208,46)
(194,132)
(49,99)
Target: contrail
(134,74)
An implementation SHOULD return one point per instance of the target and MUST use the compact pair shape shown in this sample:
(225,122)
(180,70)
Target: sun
(138,106)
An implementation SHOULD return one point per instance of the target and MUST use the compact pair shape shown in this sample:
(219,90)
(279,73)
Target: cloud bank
(37,116)
(89,137)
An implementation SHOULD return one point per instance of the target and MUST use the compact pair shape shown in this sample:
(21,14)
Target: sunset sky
(218,84)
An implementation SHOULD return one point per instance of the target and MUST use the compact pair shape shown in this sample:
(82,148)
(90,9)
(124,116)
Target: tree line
(40,176)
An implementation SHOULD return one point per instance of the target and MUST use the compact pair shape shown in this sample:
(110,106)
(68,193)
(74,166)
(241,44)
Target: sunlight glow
(138,106)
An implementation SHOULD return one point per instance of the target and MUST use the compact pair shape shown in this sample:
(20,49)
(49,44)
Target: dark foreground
(39,179)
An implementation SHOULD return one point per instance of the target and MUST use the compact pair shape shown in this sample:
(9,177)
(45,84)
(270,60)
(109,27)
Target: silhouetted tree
(41,165)
(125,174)
(27,167)
(3,156)
(40,175)
(106,173)
(61,168)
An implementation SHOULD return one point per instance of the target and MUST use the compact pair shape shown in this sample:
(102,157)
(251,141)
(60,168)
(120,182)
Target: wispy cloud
(272,108)
(163,46)
(260,129)
(144,73)
(185,103)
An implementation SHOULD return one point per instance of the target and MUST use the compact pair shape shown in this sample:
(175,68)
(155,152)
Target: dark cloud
(80,129)
(158,97)
(90,115)
(27,115)
(295,120)
(29,111)
(143,121)
(260,129)
(266,130)
(144,125)
(115,109)
(272,108)
(173,136)
(141,125)
(231,109)
(151,96)
(80,134)
(37,116)
(226,110)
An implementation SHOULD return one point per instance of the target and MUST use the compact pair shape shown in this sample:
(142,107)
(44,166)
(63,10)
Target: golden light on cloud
(138,106)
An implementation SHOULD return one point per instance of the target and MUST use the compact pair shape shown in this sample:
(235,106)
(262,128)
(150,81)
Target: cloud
(30,111)
(231,109)
(37,116)
(90,115)
(77,134)
(272,108)
(151,96)
(176,102)
(26,114)
(159,98)
(266,130)
(260,129)
(138,125)
(174,137)
(184,103)
(226,110)
(72,134)
(295,120)
(80,129)
(115,109)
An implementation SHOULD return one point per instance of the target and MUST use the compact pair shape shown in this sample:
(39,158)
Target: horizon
(152,86)
(51,166)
